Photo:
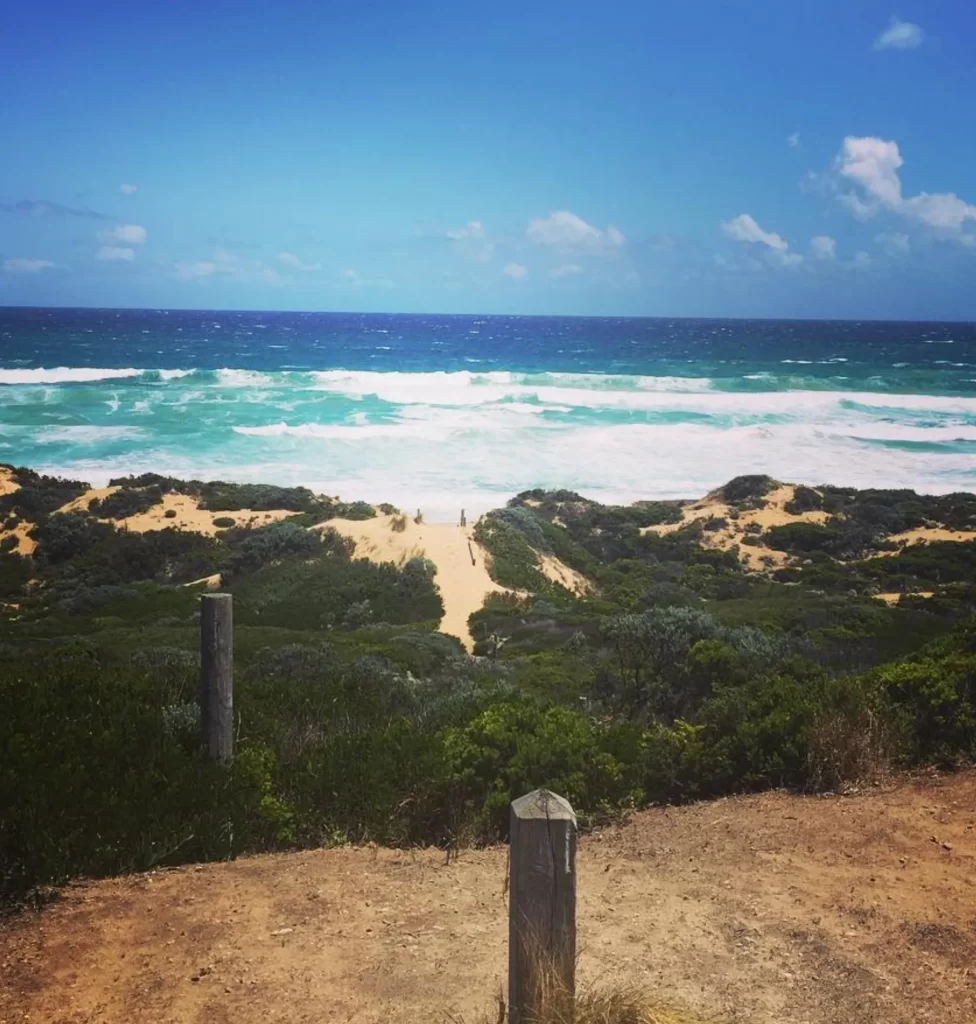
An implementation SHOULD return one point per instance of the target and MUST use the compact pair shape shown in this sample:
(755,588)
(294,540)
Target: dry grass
(605,1005)
(849,749)
(398,523)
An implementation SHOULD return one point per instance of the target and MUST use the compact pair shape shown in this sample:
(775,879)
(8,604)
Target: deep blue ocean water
(442,411)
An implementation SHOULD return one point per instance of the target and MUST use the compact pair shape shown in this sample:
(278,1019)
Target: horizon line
(507,316)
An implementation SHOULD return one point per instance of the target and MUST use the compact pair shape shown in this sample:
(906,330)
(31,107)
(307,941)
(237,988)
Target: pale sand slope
(559,572)
(463,582)
(25,546)
(928,535)
(189,515)
(756,557)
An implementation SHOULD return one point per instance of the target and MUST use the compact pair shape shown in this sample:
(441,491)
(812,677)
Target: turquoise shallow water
(439,412)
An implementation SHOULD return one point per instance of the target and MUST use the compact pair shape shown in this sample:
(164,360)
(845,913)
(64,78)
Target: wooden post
(542,909)
(217,675)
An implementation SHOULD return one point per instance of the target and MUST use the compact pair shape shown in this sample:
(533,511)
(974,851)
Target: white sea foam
(64,375)
(440,440)
(87,434)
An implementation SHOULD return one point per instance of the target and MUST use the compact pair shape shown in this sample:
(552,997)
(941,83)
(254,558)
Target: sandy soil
(757,557)
(894,598)
(462,576)
(929,534)
(770,909)
(189,515)
(25,546)
(7,483)
(559,572)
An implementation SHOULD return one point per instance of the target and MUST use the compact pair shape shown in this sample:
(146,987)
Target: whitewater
(426,414)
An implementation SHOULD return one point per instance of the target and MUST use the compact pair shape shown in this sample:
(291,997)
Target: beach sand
(462,575)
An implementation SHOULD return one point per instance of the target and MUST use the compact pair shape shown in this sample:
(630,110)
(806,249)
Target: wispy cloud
(900,35)
(47,208)
(473,229)
(116,253)
(127,234)
(22,265)
(353,279)
(127,189)
(872,164)
(289,259)
(823,247)
(227,264)
(745,229)
(566,270)
(567,231)
(793,140)
(894,243)
(516,271)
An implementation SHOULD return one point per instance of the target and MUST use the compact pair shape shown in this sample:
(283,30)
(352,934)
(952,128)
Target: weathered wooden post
(217,674)
(542,909)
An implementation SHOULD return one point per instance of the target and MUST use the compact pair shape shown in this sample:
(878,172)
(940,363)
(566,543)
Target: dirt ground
(772,909)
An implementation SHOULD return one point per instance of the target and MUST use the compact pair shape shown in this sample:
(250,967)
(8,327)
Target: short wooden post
(542,909)
(217,675)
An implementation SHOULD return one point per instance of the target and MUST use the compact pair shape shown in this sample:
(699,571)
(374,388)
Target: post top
(540,803)
(216,597)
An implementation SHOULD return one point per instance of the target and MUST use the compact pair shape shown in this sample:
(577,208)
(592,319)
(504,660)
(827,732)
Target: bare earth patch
(772,909)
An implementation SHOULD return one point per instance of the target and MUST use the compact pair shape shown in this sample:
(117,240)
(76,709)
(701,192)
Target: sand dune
(756,557)
(462,576)
(187,514)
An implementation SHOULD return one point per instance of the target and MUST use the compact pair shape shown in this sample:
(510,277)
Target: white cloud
(21,265)
(900,35)
(193,271)
(862,260)
(777,250)
(291,260)
(823,247)
(352,279)
(229,264)
(744,229)
(516,271)
(127,234)
(793,140)
(115,252)
(873,164)
(473,229)
(565,230)
(566,270)
(894,243)
(128,190)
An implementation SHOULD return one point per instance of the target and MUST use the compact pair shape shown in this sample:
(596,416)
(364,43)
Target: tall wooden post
(542,909)
(217,675)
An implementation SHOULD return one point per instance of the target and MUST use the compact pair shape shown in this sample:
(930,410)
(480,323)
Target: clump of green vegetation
(677,676)
(224,522)
(748,488)
(127,501)
(38,495)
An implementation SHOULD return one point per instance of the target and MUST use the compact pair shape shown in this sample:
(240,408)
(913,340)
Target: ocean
(444,412)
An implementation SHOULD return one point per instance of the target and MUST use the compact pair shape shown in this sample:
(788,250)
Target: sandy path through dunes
(462,576)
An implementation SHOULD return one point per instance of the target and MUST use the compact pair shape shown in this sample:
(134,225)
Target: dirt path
(769,909)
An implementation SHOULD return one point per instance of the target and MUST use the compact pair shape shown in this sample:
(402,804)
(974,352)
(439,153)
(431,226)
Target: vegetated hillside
(766,909)
(636,658)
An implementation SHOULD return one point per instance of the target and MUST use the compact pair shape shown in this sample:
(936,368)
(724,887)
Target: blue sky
(753,158)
